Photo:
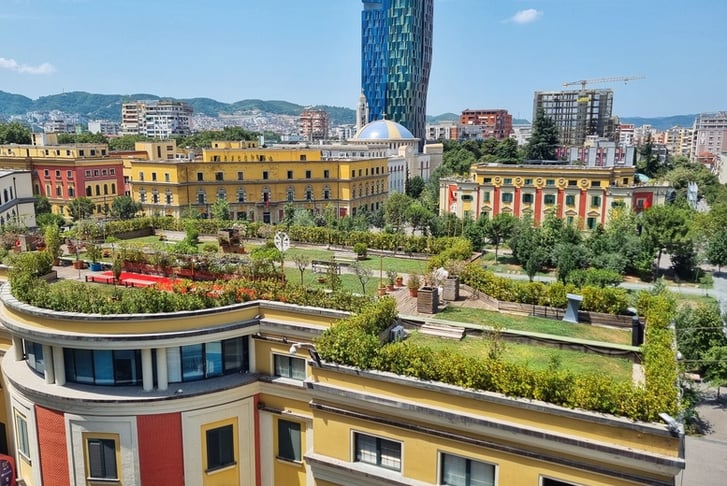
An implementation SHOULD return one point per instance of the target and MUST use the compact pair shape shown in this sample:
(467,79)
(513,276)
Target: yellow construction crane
(584,82)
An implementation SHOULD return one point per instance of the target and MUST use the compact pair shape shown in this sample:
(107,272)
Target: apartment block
(494,123)
(710,135)
(156,118)
(577,113)
(313,125)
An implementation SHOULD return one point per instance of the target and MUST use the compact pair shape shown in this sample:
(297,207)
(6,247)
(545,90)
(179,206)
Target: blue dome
(383,130)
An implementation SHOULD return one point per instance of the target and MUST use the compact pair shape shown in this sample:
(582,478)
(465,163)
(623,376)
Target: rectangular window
(58,174)
(595,183)
(240,176)
(289,367)
(290,174)
(549,182)
(528,182)
(326,174)
(289,440)
(265,175)
(69,174)
(486,197)
(570,200)
(192,362)
(572,182)
(527,198)
(595,201)
(220,447)
(307,174)
(166,177)
(507,197)
(549,199)
(625,181)
(554,482)
(101,458)
(459,471)
(200,176)
(591,223)
(153,176)
(487,180)
(112,171)
(21,428)
(141,176)
(377,451)
(219,176)
(507,180)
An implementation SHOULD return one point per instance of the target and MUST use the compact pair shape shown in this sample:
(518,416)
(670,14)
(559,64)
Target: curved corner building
(396,57)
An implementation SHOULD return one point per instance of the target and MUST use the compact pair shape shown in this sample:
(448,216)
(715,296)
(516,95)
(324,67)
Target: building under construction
(577,113)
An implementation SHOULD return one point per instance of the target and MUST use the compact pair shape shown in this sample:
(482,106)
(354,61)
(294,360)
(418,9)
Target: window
(220,447)
(550,182)
(572,182)
(289,367)
(69,174)
(595,183)
(595,201)
(549,199)
(554,482)
(486,197)
(219,176)
(290,174)
(307,174)
(507,180)
(240,176)
(265,175)
(201,361)
(112,171)
(377,451)
(591,223)
(34,356)
(166,177)
(154,176)
(570,200)
(326,174)
(103,367)
(527,198)
(200,176)
(101,458)
(528,182)
(58,174)
(487,180)
(141,176)
(289,440)
(21,437)
(507,197)
(459,471)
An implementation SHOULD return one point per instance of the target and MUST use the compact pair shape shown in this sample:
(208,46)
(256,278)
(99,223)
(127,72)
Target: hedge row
(610,300)
(354,342)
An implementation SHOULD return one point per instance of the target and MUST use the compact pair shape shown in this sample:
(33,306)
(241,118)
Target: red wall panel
(52,445)
(161,457)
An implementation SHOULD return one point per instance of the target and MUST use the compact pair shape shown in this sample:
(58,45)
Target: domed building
(405,160)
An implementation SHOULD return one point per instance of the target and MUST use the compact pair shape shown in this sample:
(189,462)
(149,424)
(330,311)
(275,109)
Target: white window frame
(291,370)
(468,462)
(376,455)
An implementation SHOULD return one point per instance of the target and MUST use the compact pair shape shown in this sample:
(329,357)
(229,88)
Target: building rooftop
(383,130)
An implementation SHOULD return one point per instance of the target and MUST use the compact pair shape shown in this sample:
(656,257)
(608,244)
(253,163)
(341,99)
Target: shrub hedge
(354,342)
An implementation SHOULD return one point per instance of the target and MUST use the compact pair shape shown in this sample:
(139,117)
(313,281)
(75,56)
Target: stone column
(162,372)
(59,365)
(147,371)
(18,348)
(50,376)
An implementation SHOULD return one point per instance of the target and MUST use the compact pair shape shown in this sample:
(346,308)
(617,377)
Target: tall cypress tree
(543,140)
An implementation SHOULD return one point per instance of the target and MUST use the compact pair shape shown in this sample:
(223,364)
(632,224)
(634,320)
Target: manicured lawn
(535,324)
(535,357)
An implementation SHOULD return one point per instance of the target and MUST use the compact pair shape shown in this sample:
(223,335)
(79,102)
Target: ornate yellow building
(258,182)
(238,396)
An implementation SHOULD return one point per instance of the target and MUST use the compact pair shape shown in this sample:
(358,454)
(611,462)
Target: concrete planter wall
(450,289)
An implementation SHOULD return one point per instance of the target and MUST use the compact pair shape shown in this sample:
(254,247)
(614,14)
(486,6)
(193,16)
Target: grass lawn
(535,324)
(348,281)
(535,357)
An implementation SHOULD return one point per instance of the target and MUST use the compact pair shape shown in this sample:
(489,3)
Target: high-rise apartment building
(494,123)
(396,57)
(577,113)
(159,119)
(313,125)
(710,135)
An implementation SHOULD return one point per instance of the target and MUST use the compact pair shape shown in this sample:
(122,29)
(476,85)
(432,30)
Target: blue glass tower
(396,57)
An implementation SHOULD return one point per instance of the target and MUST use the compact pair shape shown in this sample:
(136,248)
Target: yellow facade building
(238,396)
(258,183)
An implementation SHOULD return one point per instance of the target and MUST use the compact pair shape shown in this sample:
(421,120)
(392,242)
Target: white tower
(362,111)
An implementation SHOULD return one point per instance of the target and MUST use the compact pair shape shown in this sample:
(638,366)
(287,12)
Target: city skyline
(486,54)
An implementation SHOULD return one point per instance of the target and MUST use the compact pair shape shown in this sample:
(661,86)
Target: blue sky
(487,53)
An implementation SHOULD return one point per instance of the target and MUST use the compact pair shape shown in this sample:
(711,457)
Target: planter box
(428,300)
(95,267)
(450,289)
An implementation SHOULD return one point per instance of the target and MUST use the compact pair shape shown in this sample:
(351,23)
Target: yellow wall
(226,476)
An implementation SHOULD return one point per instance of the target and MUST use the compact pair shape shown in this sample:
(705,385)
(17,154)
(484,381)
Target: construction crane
(584,82)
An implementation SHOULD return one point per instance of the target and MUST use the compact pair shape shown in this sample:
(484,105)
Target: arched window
(70,191)
(290,194)
(105,189)
(5,195)
(241,195)
(98,190)
(221,194)
(89,191)
(308,193)
(326,192)
(155,197)
(201,198)
(168,195)
(113,188)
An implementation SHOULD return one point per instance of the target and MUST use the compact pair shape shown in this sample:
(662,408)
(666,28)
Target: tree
(363,274)
(48,219)
(418,216)
(395,208)
(415,186)
(697,331)
(42,205)
(301,261)
(568,258)
(80,208)
(127,142)
(543,140)
(221,210)
(649,162)
(14,132)
(499,229)
(664,227)
(71,138)
(123,207)
(716,252)
(507,151)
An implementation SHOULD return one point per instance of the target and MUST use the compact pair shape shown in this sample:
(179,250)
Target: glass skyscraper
(396,57)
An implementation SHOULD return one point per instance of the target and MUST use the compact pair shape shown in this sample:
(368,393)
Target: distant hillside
(520,121)
(108,107)
(442,117)
(663,122)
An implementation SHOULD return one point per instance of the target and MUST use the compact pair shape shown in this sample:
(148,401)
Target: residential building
(104,127)
(238,395)
(626,134)
(581,194)
(521,133)
(156,118)
(396,58)
(599,152)
(577,113)
(710,135)
(59,126)
(313,125)
(258,183)
(17,204)
(494,123)
(65,172)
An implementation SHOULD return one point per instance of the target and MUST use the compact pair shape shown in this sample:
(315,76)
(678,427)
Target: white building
(16,198)
(158,119)
(104,127)
(710,135)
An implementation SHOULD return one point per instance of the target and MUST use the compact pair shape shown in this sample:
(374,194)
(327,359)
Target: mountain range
(92,106)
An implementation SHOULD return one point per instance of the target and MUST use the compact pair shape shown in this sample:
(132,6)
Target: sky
(487,53)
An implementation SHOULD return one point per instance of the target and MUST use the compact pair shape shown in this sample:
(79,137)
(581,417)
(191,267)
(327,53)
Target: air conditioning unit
(398,333)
